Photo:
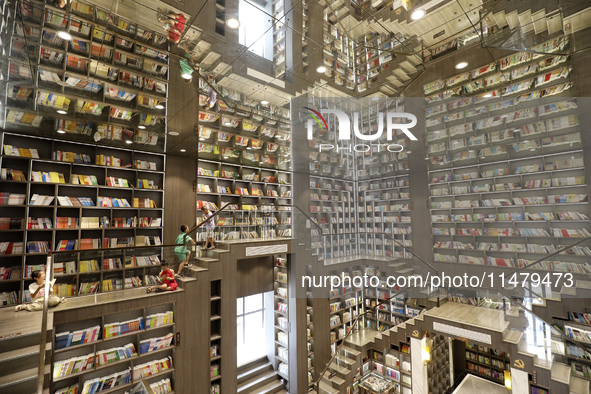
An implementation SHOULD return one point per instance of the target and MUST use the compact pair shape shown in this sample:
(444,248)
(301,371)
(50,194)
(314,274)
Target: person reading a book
(166,277)
(37,289)
(209,227)
(181,250)
(173,23)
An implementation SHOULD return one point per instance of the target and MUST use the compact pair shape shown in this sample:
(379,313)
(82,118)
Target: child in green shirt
(181,251)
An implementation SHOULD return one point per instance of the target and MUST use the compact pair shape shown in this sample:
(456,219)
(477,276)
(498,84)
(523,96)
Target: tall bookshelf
(108,82)
(245,150)
(305,35)
(439,366)
(71,199)
(125,344)
(332,207)
(506,165)
(338,56)
(482,361)
(311,364)
(281,360)
(215,336)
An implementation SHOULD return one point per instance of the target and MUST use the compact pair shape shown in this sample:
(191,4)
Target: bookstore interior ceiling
(271,51)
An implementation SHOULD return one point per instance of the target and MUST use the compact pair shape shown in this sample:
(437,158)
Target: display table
(375,384)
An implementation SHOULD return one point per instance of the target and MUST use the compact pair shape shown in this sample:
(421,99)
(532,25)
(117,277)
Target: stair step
(396,265)
(207,259)
(513,337)
(350,351)
(338,368)
(335,379)
(405,271)
(20,353)
(256,382)
(326,388)
(271,388)
(345,360)
(252,364)
(254,372)
(560,372)
(21,377)
(578,386)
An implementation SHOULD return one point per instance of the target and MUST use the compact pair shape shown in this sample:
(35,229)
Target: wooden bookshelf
(147,334)
(245,158)
(215,353)
(281,324)
(85,203)
(439,367)
(113,70)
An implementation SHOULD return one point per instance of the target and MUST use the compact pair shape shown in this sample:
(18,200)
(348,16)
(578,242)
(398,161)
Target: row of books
(112,284)
(95,385)
(51,177)
(104,357)
(73,365)
(151,368)
(12,175)
(13,198)
(11,150)
(73,338)
(122,328)
(152,344)
(13,223)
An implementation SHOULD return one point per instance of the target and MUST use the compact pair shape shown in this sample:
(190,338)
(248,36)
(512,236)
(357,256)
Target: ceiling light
(128,142)
(228,124)
(418,14)
(426,158)
(61,112)
(186,76)
(461,65)
(261,162)
(61,132)
(408,153)
(321,69)
(264,102)
(183,150)
(64,35)
(173,133)
(233,23)
(248,148)
(487,95)
(159,106)
(141,127)
(532,149)
(225,157)
(516,130)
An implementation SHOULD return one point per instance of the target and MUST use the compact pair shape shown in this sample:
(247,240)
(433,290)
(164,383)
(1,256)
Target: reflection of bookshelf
(244,161)
(345,304)
(311,375)
(84,69)
(281,324)
(279,38)
(438,367)
(137,344)
(74,196)
(507,172)
(215,336)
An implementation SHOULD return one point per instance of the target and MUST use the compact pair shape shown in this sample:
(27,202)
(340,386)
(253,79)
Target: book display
(114,351)
(70,199)
(339,56)
(215,340)
(506,165)
(281,296)
(390,369)
(245,158)
(109,81)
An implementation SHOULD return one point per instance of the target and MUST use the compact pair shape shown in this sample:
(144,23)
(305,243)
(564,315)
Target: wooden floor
(14,323)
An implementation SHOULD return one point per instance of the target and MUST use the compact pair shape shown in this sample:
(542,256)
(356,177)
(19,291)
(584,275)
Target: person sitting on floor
(166,277)
(37,289)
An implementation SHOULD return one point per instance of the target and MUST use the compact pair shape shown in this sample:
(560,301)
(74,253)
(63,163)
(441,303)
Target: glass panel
(239,306)
(253,303)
